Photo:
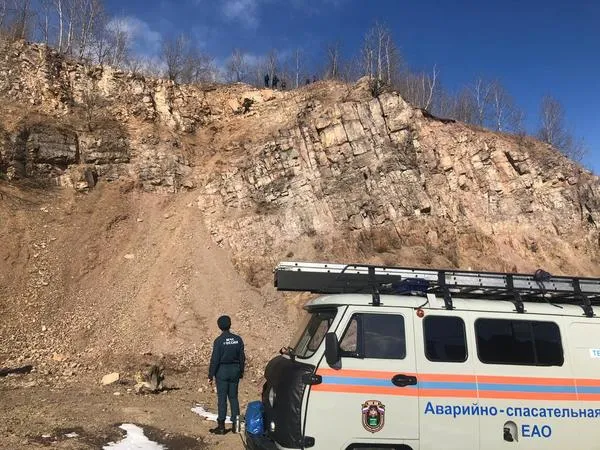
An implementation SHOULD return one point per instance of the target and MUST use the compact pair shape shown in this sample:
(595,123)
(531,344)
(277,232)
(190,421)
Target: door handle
(402,380)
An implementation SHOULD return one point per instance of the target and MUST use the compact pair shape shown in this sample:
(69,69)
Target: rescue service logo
(373,415)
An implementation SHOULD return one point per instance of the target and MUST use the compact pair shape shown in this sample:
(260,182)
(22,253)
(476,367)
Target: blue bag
(254,418)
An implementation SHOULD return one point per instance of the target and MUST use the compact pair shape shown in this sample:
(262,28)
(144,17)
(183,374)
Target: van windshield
(311,332)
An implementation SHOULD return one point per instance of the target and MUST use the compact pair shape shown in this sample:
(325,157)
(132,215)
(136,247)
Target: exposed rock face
(377,177)
(107,109)
(104,148)
(321,171)
(44,149)
(38,151)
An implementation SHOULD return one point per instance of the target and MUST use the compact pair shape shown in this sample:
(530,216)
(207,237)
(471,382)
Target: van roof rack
(541,287)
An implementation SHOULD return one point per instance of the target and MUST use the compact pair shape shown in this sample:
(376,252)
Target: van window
(379,336)
(445,339)
(311,333)
(518,342)
(348,344)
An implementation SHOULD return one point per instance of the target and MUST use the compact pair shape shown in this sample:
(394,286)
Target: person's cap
(224,322)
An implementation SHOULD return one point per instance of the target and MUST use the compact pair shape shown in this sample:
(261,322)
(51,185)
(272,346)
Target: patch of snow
(71,435)
(208,415)
(134,440)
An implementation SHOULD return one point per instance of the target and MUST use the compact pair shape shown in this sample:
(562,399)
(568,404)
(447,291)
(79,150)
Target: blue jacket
(228,349)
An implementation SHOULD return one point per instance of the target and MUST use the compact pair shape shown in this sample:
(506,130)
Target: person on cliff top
(267,80)
(275,81)
(227,366)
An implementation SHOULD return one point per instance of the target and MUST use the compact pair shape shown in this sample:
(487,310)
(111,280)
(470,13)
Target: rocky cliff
(325,172)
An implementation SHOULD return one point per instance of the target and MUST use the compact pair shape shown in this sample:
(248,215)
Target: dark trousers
(227,388)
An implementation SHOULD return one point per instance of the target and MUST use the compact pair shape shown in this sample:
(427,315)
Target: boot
(220,429)
(233,425)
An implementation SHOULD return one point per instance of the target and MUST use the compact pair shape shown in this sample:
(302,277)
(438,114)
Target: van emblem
(373,415)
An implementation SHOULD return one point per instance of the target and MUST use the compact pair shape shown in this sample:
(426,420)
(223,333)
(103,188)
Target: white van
(400,358)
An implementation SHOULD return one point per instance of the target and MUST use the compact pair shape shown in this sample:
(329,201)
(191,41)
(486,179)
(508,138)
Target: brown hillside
(195,201)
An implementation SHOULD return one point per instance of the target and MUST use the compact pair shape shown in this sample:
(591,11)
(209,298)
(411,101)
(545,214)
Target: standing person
(227,366)
(274,81)
(267,80)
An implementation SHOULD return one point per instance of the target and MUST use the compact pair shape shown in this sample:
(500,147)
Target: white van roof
(460,304)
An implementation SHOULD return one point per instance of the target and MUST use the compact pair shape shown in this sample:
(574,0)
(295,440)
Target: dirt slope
(115,280)
(119,271)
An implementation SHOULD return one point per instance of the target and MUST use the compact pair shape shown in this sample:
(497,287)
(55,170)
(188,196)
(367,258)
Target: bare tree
(428,86)
(461,106)
(272,64)
(349,70)
(286,72)
(446,105)
(552,118)
(184,61)
(500,102)
(142,65)
(111,42)
(71,5)
(380,56)
(197,67)
(173,53)
(88,13)
(420,88)
(505,115)
(44,18)
(61,22)
(68,10)
(3,13)
(333,65)
(298,63)
(553,130)
(100,48)
(237,67)
(482,91)
(20,27)
(257,71)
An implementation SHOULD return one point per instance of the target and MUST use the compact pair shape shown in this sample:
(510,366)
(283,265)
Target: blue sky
(534,47)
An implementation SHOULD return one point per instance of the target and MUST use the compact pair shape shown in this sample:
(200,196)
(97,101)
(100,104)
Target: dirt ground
(38,414)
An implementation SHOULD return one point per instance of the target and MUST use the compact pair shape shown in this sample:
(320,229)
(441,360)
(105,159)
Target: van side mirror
(332,349)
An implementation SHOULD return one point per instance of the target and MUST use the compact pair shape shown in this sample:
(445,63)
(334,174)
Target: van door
(372,396)
(447,382)
(525,383)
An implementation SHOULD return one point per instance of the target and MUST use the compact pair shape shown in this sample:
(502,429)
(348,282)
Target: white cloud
(310,7)
(243,11)
(247,12)
(145,40)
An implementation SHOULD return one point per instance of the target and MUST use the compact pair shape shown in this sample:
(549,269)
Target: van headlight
(272,396)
